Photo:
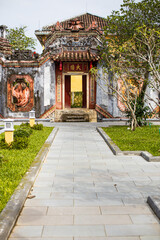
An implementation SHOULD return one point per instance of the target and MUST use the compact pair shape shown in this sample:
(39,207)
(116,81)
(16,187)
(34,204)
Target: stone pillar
(9,129)
(32,118)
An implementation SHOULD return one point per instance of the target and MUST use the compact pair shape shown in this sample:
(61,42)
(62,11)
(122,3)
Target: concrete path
(84,192)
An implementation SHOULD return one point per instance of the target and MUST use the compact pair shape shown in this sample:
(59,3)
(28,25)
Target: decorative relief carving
(92,89)
(20,93)
(23,55)
(59,88)
(75,48)
(69,44)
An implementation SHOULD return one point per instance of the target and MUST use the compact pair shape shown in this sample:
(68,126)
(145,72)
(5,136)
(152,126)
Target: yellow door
(76,91)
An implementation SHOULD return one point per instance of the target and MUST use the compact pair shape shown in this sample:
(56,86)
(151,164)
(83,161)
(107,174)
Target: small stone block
(154,203)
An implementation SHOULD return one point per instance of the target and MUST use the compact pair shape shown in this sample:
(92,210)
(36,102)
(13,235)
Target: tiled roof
(75,56)
(84,24)
(5,46)
(87,20)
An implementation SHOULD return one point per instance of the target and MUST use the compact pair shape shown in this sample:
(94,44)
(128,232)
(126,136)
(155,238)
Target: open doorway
(75,91)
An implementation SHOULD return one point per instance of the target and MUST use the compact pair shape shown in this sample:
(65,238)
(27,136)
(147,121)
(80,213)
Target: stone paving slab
(56,211)
(84,192)
(132,209)
(74,230)
(143,219)
(133,230)
(102,219)
(44,220)
(27,231)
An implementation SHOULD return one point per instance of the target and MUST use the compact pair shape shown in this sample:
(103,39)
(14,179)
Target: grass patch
(15,163)
(142,139)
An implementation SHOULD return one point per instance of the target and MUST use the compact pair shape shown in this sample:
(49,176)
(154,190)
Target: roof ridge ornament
(3,30)
(75,25)
(58,26)
(93,26)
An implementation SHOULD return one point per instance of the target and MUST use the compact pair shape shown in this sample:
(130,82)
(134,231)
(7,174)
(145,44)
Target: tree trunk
(134,123)
(144,86)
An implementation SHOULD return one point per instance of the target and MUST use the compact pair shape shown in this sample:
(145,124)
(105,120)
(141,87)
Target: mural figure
(20,93)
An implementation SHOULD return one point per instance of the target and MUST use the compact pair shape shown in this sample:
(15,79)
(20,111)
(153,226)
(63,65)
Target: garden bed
(16,163)
(142,139)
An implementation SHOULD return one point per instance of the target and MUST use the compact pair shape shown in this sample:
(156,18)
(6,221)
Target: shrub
(38,126)
(21,133)
(20,143)
(25,125)
(21,140)
(27,129)
(3,144)
(142,113)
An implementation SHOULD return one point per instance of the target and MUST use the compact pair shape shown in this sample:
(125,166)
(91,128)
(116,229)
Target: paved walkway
(84,192)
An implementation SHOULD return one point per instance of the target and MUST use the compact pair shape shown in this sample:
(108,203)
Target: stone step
(75,116)
(75,120)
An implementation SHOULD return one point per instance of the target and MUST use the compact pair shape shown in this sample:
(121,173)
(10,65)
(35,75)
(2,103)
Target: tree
(18,39)
(130,47)
(144,49)
(125,84)
(131,16)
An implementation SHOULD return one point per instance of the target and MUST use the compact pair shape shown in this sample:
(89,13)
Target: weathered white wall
(47,83)
(153,94)
(103,98)
(44,88)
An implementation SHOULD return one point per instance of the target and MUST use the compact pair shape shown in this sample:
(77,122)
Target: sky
(38,13)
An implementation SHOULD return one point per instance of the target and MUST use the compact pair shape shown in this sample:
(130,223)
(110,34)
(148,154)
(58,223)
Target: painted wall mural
(20,93)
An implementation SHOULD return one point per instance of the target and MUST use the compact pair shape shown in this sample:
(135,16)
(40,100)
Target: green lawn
(17,162)
(144,138)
